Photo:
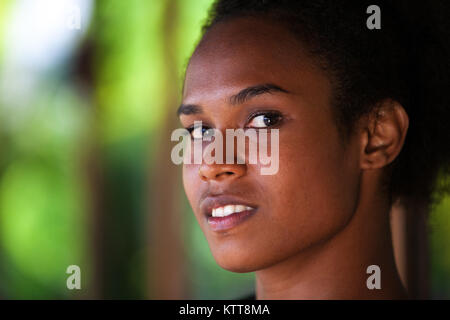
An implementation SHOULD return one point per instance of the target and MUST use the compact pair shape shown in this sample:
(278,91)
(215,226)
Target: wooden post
(165,258)
(410,239)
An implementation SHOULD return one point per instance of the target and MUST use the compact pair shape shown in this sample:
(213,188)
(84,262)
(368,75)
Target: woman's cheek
(191,182)
(308,194)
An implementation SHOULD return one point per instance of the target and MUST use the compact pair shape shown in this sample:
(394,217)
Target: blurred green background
(85,172)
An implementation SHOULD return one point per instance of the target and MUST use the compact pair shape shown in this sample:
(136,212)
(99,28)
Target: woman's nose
(221,172)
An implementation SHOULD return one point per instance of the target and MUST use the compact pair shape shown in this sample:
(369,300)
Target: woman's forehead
(245,52)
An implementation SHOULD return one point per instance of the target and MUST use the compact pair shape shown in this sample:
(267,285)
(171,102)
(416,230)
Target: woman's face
(314,193)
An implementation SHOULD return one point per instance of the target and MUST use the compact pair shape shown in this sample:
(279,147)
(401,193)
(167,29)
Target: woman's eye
(264,120)
(200,132)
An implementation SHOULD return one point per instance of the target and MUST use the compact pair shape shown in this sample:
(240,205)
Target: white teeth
(218,212)
(229,209)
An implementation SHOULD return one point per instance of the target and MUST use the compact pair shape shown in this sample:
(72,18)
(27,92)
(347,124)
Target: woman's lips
(229,221)
(225,212)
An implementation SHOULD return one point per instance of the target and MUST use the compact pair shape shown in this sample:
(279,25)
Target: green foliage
(41,198)
(440,249)
(128,67)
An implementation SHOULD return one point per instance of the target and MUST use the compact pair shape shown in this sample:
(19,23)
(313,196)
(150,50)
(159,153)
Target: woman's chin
(236,264)
(238,268)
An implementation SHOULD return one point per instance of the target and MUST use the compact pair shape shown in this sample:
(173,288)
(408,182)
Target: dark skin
(323,218)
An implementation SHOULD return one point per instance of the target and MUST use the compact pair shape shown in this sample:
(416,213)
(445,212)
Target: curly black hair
(407,60)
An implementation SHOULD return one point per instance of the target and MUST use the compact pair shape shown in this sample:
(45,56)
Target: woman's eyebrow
(241,97)
(187,109)
(253,91)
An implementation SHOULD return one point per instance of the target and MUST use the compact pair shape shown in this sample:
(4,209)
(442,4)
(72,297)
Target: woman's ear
(383,134)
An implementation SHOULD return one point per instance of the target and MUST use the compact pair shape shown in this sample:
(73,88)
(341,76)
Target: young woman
(362,116)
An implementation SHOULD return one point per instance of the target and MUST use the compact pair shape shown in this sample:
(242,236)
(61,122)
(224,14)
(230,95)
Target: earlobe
(383,135)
